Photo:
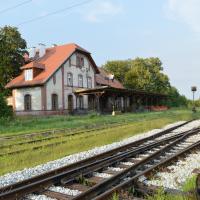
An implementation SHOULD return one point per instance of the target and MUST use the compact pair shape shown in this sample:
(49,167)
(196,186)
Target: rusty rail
(37,183)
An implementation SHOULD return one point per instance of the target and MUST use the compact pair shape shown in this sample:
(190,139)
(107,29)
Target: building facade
(47,83)
(65,79)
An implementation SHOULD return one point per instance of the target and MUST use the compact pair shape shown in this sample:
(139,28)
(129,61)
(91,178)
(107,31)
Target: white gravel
(65,190)
(38,197)
(102,175)
(127,163)
(27,173)
(117,169)
(178,174)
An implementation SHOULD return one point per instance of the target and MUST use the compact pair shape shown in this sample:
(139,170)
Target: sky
(117,29)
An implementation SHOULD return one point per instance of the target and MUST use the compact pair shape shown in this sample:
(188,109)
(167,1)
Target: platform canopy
(116,91)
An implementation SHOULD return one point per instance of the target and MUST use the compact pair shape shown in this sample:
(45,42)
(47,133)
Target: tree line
(145,74)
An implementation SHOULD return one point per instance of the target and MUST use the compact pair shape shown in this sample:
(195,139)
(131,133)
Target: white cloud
(101,10)
(186,11)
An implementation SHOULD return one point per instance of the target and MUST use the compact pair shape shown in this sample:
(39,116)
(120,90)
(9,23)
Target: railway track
(87,179)
(55,134)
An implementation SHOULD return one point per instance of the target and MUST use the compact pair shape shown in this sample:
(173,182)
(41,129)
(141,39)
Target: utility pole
(193,89)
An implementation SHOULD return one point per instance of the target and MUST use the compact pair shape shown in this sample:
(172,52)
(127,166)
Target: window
(80,80)
(28,75)
(82,62)
(89,82)
(89,67)
(27,102)
(54,101)
(69,79)
(79,61)
(80,102)
(70,62)
(54,79)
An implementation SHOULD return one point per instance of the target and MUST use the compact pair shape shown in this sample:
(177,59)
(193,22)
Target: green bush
(5,110)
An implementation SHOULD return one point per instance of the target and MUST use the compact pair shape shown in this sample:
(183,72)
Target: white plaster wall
(76,71)
(35,93)
(56,88)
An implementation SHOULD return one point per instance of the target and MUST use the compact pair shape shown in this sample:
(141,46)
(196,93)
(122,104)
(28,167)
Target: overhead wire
(55,12)
(15,6)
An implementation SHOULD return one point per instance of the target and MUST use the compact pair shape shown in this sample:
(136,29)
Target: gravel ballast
(17,176)
(178,173)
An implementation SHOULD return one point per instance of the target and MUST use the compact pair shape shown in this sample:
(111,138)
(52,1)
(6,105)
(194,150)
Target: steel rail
(133,181)
(102,187)
(54,176)
(70,175)
(100,156)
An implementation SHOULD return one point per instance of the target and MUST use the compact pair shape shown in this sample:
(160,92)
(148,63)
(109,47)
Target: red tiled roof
(51,61)
(102,79)
(33,64)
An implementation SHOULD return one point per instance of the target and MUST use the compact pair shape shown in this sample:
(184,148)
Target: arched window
(27,102)
(80,80)
(80,102)
(89,82)
(54,101)
(69,79)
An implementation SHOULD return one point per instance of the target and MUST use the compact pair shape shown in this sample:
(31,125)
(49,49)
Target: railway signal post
(193,89)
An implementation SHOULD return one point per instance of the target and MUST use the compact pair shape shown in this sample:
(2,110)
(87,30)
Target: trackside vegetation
(23,125)
(188,186)
(54,148)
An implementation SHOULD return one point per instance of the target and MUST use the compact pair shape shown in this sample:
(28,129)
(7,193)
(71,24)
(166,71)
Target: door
(70,103)
(54,102)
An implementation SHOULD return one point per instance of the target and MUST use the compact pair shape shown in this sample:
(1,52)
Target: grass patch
(135,124)
(23,125)
(189,186)
(131,124)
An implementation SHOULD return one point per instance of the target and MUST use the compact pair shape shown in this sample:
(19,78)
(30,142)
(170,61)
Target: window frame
(80,76)
(68,83)
(89,78)
(80,61)
(28,74)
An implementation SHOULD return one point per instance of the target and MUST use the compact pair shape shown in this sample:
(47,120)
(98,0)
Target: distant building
(65,79)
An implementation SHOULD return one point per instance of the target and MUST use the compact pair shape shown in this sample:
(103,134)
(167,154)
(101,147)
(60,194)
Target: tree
(138,78)
(140,74)
(175,99)
(119,68)
(5,110)
(12,47)
(159,82)
(146,74)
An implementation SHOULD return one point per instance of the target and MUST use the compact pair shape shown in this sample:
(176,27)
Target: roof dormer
(32,70)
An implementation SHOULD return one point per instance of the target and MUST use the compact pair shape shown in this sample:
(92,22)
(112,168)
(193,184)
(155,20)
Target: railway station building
(66,80)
